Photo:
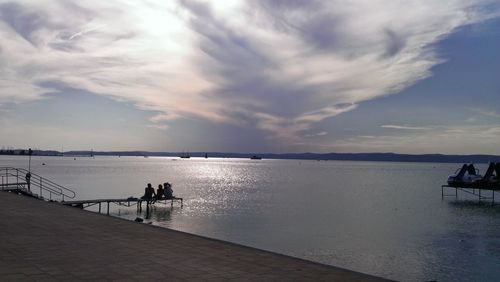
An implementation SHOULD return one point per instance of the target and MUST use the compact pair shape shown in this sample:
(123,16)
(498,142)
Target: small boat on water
(185,156)
(254,157)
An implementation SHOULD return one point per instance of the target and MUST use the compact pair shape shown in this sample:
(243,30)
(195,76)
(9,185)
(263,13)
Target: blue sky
(251,76)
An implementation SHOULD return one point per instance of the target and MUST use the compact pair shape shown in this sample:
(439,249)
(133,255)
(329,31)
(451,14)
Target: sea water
(381,218)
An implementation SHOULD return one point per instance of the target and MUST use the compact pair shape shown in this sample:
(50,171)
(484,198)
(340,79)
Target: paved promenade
(42,241)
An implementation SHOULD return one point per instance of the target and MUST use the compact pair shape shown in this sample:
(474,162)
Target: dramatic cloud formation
(279,66)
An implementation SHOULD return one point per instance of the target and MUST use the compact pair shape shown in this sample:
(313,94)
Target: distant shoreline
(388,157)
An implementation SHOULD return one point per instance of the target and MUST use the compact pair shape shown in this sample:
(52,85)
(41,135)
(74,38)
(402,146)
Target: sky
(277,76)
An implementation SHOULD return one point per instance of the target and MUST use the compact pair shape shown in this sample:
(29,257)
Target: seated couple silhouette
(164,192)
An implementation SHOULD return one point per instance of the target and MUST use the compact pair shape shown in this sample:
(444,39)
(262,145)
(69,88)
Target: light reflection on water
(385,219)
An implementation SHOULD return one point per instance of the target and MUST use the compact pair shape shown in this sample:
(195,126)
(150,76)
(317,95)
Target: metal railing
(16,178)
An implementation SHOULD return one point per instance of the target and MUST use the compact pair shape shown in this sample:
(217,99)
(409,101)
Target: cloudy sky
(408,76)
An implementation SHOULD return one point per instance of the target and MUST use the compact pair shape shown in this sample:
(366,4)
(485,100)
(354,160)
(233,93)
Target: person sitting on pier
(159,192)
(168,191)
(149,192)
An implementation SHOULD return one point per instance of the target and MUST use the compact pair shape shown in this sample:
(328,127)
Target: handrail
(50,189)
(71,194)
(36,180)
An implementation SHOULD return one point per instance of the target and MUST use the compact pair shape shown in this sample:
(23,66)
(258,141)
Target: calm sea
(381,218)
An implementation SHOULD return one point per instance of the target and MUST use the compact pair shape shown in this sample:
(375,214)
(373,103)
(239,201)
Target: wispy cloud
(471,120)
(280,66)
(158,126)
(452,140)
(405,127)
(322,133)
(81,33)
(487,113)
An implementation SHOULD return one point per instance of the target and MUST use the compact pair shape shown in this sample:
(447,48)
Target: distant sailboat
(254,157)
(185,156)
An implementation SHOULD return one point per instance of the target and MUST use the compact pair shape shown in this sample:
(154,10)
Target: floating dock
(469,181)
(121,202)
(44,241)
(479,192)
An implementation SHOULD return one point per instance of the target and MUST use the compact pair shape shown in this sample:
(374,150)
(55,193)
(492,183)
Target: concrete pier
(41,241)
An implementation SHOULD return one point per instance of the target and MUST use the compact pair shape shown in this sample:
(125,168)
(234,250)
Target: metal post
(99,207)
(29,163)
(108,209)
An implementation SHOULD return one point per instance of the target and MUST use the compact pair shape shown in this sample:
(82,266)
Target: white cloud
(405,127)
(322,133)
(279,66)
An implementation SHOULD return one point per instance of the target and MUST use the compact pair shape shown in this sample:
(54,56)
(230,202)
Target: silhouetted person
(28,180)
(159,192)
(169,193)
(149,192)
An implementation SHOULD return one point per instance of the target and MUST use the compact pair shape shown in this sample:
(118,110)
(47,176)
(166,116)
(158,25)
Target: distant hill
(388,157)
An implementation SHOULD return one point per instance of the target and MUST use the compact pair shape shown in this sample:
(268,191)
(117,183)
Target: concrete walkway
(42,241)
